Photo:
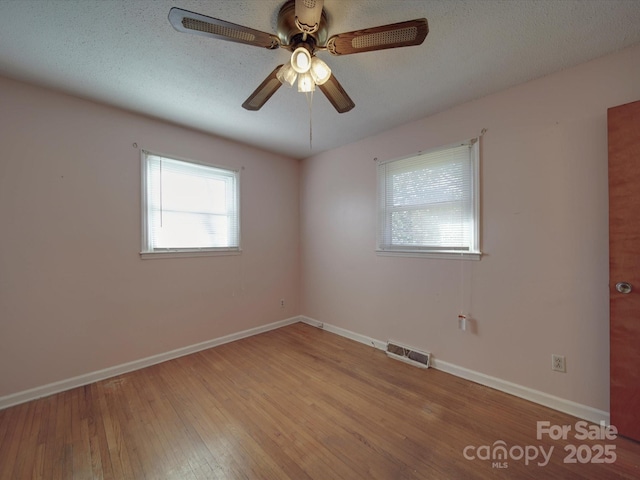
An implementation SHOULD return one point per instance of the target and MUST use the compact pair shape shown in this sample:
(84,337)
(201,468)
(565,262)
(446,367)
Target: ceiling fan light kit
(320,71)
(287,75)
(301,60)
(309,71)
(302,29)
(306,83)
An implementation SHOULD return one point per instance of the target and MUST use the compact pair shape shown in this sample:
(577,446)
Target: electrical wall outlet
(558,363)
(282,303)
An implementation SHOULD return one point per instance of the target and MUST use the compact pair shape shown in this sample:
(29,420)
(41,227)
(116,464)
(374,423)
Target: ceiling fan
(302,29)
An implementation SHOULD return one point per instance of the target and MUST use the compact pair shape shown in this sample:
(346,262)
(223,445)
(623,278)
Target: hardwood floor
(294,403)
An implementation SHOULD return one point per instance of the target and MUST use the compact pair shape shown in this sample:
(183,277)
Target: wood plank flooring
(294,403)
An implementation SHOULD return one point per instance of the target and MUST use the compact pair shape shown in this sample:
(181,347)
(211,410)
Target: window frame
(383,224)
(146,252)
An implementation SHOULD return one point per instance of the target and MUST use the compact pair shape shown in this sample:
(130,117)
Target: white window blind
(188,206)
(428,203)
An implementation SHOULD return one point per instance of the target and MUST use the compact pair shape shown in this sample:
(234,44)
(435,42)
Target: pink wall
(542,286)
(75,297)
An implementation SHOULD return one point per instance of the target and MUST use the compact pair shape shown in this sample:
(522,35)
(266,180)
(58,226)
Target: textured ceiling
(125,53)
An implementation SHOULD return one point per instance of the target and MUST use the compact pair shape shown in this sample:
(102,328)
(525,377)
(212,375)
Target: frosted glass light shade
(320,71)
(301,60)
(306,83)
(287,75)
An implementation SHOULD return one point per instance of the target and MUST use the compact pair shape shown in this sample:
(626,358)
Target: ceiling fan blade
(264,91)
(308,14)
(190,22)
(403,34)
(336,95)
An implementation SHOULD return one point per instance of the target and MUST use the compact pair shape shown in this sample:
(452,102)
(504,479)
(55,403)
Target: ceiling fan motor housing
(290,35)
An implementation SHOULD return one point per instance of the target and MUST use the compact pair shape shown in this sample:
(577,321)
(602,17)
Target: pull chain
(309,96)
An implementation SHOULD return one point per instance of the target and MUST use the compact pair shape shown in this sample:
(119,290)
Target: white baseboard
(545,399)
(79,381)
(566,406)
(372,342)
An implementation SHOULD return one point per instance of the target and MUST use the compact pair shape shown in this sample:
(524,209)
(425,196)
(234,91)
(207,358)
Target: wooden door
(624,266)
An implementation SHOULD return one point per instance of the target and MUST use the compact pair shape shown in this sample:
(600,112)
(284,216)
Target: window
(428,203)
(188,208)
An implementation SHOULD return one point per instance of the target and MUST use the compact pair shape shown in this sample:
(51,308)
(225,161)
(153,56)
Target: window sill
(188,253)
(451,255)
